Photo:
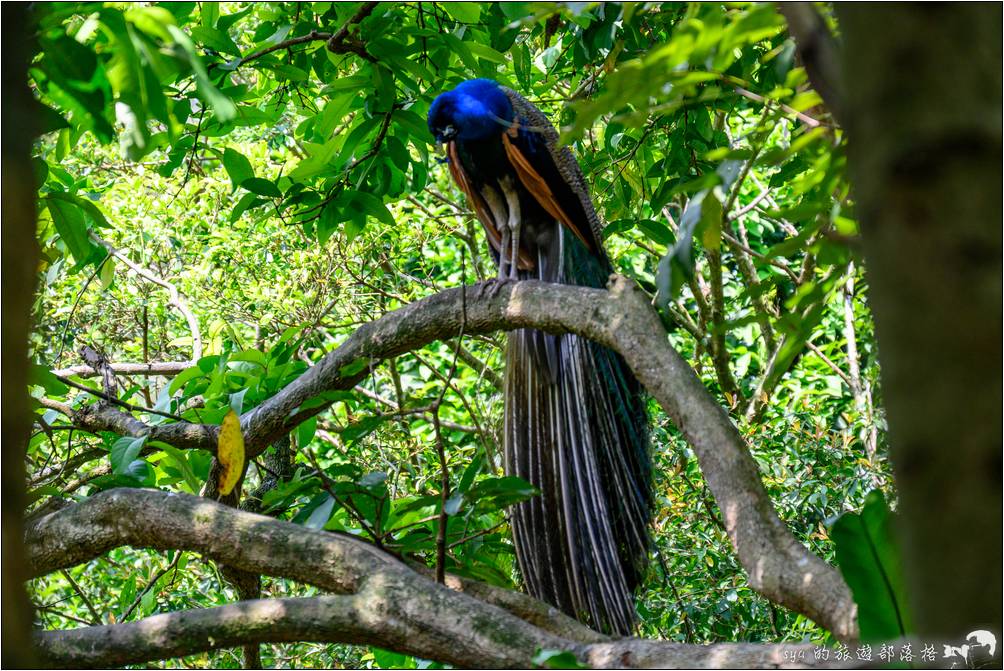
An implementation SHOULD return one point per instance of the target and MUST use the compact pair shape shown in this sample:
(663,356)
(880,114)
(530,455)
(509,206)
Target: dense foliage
(218,193)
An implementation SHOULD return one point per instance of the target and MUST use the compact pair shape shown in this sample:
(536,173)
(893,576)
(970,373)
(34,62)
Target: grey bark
(377,599)
(779,567)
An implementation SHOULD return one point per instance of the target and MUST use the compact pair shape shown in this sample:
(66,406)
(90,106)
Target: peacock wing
(551,173)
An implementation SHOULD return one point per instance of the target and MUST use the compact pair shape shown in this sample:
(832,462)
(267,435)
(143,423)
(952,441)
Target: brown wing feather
(565,162)
(538,187)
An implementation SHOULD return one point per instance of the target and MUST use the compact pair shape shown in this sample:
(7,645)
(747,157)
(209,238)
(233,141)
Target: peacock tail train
(581,439)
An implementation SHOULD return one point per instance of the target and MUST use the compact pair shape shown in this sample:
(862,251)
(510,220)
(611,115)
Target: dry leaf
(230,452)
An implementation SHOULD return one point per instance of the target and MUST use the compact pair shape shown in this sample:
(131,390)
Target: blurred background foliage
(220,189)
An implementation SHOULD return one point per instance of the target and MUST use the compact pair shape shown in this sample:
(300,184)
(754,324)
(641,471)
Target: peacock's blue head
(474,110)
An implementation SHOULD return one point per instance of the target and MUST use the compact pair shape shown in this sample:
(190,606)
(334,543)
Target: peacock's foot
(490,288)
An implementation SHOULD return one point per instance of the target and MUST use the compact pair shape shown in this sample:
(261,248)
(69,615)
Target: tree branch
(166,368)
(817,48)
(312,36)
(340,42)
(377,600)
(779,567)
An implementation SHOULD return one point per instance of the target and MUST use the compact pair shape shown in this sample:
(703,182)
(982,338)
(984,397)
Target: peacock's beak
(448,133)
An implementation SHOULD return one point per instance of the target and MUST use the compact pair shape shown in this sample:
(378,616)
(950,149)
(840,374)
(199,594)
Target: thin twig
(829,362)
(477,534)
(339,41)
(115,401)
(149,586)
(347,504)
(165,368)
(443,497)
(312,36)
(87,602)
(191,158)
(73,308)
(375,147)
(175,297)
(440,446)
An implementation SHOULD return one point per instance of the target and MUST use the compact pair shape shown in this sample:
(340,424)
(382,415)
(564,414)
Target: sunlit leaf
(230,452)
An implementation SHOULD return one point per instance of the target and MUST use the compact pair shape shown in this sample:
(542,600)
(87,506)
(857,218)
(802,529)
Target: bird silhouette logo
(979,648)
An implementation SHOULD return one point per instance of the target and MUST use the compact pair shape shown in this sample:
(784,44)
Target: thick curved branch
(378,600)
(344,619)
(779,567)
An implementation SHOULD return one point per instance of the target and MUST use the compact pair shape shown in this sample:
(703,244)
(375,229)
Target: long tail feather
(579,434)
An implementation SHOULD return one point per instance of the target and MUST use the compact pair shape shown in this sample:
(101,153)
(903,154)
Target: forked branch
(778,565)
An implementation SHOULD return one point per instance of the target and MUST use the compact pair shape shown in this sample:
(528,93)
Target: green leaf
(372,206)
(215,39)
(453,503)
(44,490)
(503,491)
(177,457)
(386,659)
(262,187)
(107,273)
(91,211)
(318,160)
(222,105)
(467,12)
(319,499)
(237,166)
(151,20)
(148,602)
(305,432)
(656,231)
(69,221)
(354,367)
(183,377)
(42,376)
(870,563)
(243,205)
(359,430)
(321,514)
(128,593)
(372,479)
(486,52)
(124,452)
(289,72)
(49,119)
(237,400)
(471,472)
(557,659)
(210,13)
(678,264)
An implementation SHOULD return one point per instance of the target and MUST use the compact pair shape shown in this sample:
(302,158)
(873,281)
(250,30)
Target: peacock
(575,424)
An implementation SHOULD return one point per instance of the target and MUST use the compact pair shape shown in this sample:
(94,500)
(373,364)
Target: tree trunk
(20,262)
(923,115)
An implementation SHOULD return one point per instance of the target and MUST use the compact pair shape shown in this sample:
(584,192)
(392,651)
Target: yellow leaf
(230,452)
